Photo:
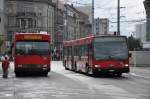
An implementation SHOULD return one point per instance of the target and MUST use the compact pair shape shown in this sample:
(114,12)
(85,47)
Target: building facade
(147,8)
(87,10)
(59,31)
(140,30)
(29,16)
(70,16)
(2,27)
(1,19)
(77,24)
(101,26)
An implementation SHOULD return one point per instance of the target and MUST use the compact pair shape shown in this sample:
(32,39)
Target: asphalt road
(63,84)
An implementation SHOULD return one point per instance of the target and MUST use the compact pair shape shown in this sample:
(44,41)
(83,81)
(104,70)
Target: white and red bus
(97,54)
(32,53)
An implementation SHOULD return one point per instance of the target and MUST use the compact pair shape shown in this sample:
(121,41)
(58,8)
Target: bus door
(90,54)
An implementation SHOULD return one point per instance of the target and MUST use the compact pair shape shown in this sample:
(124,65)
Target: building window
(30,23)
(11,21)
(25,23)
(10,35)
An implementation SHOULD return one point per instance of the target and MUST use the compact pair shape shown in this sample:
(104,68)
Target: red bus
(97,54)
(32,53)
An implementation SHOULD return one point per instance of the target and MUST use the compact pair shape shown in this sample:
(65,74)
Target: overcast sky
(132,10)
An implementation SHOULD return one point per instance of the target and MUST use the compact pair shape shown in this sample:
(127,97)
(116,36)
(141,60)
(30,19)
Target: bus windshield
(107,50)
(32,48)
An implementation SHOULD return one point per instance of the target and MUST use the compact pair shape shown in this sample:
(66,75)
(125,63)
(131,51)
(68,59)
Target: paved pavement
(63,84)
(143,72)
(0,68)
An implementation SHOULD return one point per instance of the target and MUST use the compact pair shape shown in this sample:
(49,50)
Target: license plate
(111,70)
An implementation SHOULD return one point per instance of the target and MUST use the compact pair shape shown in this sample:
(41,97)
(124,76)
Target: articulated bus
(97,54)
(32,53)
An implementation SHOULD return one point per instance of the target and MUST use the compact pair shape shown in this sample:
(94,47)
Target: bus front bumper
(112,70)
(32,69)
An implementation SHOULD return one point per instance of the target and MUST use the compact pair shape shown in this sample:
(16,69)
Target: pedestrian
(5,65)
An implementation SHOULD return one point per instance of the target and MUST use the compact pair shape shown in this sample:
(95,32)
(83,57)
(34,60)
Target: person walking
(5,65)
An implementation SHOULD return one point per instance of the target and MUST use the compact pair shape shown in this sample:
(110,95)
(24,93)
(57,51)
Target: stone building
(84,28)
(1,19)
(77,23)
(101,26)
(147,8)
(59,31)
(29,16)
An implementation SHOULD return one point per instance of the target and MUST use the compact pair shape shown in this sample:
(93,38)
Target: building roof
(42,1)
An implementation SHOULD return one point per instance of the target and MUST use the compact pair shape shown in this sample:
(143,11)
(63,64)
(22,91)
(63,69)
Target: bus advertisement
(97,54)
(32,53)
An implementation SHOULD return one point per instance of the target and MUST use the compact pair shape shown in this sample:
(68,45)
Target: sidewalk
(0,68)
(141,71)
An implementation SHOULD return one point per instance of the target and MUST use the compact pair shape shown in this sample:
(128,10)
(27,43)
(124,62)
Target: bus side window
(86,50)
(89,47)
(80,52)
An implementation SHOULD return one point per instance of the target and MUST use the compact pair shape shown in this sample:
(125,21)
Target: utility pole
(93,17)
(118,18)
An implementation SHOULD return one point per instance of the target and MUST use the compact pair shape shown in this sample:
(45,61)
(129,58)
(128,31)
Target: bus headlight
(97,66)
(126,65)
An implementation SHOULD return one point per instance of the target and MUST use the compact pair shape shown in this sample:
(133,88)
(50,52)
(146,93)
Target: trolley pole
(118,18)
(93,17)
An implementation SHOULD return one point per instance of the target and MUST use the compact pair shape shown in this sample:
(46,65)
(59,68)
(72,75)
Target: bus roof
(87,40)
(31,33)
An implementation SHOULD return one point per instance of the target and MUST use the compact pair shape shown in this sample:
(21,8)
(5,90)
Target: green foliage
(134,43)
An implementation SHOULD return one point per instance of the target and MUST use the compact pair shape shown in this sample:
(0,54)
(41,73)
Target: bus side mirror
(130,55)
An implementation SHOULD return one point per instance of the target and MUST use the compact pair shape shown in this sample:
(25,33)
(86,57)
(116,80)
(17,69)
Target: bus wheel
(76,70)
(87,70)
(45,74)
(18,74)
(75,67)
(119,74)
(66,68)
(90,71)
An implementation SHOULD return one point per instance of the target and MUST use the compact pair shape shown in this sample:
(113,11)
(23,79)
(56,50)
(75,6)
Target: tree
(134,43)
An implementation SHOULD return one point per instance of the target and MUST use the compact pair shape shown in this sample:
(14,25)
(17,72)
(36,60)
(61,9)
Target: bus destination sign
(32,37)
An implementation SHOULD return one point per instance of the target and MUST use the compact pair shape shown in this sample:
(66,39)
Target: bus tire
(18,74)
(119,74)
(91,72)
(45,74)
(87,70)
(66,68)
(75,67)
